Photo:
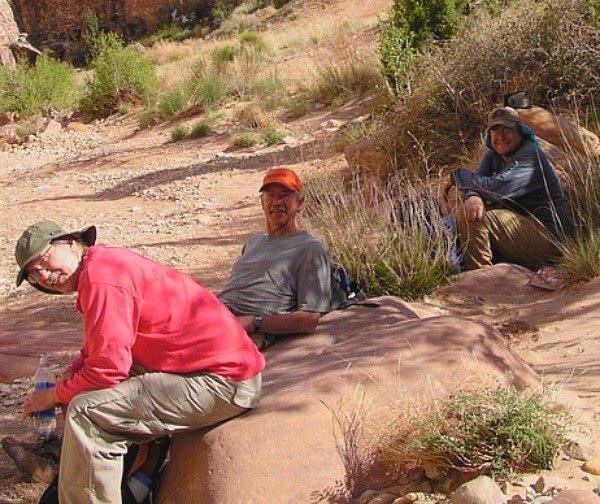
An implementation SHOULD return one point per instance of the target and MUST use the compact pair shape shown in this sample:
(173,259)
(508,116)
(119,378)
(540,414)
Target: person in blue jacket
(515,209)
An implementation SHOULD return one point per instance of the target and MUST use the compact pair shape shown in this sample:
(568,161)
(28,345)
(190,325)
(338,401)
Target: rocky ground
(192,204)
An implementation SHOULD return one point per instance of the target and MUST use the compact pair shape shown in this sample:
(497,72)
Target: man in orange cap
(281,283)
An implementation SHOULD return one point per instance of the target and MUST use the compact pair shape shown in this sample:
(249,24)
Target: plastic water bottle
(44,421)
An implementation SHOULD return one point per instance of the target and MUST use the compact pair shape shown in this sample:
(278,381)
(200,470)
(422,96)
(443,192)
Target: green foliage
(273,135)
(253,40)
(223,55)
(200,129)
(28,90)
(120,74)
(270,89)
(170,31)
(297,106)
(244,140)
(209,89)
(147,118)
(492,431)
(409,27)
(179,133)
(172,103)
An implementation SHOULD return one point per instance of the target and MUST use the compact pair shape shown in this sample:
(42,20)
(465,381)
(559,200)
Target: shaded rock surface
(285,450)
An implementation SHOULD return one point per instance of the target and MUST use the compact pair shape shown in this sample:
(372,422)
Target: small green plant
(251,39)
(169,31)
(298,106)
(222,56)
(209,89)
(172,103)
(147,118)
(489,431)
(200,129)
(120,74)
(244,140)
(269,89)
(28,90)
(179,133)
(273,135)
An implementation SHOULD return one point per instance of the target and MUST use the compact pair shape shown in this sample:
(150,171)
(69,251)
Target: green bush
(29,90)
(200,129)
(273,135)
(490,431)
(222,56)
(172,103)
(297,106)
(410,26)
(244,140)
(209,89)
(170,31)
(179,133)
(120,74)
(249,38)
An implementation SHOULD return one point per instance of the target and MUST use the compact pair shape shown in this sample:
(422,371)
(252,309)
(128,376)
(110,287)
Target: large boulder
(285,451)
(9,32)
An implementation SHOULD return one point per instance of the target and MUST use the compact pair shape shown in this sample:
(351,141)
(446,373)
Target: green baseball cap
(36,238)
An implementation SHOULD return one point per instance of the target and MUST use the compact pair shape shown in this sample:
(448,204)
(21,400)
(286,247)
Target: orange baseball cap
(284,176)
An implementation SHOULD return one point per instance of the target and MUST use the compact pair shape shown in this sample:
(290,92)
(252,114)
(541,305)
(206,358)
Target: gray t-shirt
(280,275)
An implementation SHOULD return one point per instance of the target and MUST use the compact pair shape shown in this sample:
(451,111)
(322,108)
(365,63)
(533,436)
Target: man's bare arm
(298,322)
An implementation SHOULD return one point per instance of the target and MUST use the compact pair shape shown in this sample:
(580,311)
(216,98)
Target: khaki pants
(519,239)
(101,424)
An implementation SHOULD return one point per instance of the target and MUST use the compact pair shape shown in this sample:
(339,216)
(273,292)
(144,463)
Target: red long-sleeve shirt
(138,311)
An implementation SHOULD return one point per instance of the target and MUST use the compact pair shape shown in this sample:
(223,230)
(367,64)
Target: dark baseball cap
(36,238)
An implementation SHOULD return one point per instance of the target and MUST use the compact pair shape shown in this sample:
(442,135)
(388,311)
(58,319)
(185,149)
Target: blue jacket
(526,184)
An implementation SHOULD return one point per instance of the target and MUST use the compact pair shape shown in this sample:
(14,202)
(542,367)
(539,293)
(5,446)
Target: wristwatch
(256,323)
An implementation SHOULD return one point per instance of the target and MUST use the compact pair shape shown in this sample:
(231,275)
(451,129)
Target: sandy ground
(192,204)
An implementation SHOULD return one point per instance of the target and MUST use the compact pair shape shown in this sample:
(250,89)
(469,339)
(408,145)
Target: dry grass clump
(581,254)
(168,52)
(392,240)
(253,116)
(450,89)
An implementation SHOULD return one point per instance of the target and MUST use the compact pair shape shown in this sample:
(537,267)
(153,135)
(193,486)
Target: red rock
(576,497)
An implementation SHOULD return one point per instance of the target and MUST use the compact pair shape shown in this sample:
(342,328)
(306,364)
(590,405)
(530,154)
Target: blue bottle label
(50,412)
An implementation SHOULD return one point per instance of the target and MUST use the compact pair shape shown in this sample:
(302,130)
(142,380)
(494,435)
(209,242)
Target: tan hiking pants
(519,239)
(101,424)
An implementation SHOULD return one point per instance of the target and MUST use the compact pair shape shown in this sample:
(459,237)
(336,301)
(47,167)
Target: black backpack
(134,459)
(344,291)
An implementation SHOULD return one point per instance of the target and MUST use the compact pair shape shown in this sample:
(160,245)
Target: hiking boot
(37,461)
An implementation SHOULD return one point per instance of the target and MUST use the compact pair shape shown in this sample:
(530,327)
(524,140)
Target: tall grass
(581,254)
(391,240)
(28,90)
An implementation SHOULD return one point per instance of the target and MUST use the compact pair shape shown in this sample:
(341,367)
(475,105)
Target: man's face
(281,205)
(55,267)
(505,140)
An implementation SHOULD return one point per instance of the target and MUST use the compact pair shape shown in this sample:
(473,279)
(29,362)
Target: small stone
(538,485)
(383,498)
(516,499)
(481,490)
(578,449)
(530,494)
(366,496)
(586,478)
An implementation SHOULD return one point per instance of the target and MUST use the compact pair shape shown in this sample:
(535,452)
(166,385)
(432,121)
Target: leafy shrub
(410,26)
(169,31)
(491,431)
(244,140)
(200,129)
(28,90)
(249,38)
(273,135)
(223,55)
(209,89)
(147,118)
(297,106)
(120,74)
(269,89)
(179,133)
(172,103)
(391,240)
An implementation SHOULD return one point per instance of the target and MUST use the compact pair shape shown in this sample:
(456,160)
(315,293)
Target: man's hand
(39,400)
(474,208)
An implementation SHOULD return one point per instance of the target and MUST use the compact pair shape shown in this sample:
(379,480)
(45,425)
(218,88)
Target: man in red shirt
(195,365)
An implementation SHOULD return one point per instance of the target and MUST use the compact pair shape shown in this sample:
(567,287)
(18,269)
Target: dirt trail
(192,204)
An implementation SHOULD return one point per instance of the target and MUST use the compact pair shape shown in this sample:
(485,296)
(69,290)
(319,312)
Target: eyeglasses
(37,265)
